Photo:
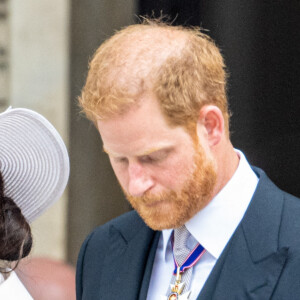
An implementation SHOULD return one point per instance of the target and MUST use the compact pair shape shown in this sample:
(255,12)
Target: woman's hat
(34,161)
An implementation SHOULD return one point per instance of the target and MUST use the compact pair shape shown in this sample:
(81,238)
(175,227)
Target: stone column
(38,60)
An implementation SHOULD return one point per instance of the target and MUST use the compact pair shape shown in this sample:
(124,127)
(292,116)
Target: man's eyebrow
(147,152)
(155,150)
(151,151)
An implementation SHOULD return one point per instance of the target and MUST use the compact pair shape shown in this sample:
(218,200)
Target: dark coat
(261,260)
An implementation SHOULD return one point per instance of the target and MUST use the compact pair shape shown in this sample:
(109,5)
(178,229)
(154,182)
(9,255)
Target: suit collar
(261,223)
(252,261)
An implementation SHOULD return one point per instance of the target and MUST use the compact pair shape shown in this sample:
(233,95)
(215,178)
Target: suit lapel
(125,263)
(149,266)
(251,263)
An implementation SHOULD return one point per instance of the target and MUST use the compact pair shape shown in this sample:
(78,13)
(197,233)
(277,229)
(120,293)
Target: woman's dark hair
(15,232)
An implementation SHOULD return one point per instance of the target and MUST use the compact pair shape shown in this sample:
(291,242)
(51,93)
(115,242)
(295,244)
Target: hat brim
(34,161)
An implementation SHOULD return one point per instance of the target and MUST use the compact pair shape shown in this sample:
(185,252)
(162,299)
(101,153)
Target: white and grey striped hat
(34,161)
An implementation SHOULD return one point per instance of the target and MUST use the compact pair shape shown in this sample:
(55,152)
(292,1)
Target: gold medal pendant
(176,290)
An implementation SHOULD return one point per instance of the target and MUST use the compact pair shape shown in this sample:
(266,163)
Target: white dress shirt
(13,289)
(212,227)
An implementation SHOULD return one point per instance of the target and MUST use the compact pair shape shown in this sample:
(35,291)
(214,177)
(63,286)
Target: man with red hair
(205,225)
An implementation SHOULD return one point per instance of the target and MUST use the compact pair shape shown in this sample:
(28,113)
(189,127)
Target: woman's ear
(211,121)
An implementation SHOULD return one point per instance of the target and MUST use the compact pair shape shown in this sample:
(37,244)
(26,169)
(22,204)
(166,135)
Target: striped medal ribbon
(190,261)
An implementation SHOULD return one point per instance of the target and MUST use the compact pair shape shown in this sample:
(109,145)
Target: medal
(176,289)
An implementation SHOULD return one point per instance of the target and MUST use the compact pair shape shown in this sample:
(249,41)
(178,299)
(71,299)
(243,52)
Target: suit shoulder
(126,223)
(295,201)
(95,246)
(291,210)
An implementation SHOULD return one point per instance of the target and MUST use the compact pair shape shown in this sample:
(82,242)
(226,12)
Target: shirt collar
(214,225)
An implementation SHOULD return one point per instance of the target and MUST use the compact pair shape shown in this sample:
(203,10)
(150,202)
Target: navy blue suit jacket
(261,260)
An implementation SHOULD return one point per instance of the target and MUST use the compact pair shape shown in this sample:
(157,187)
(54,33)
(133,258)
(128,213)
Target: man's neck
(227,162)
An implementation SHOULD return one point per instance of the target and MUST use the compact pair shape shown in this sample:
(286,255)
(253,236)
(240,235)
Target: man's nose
(139,180)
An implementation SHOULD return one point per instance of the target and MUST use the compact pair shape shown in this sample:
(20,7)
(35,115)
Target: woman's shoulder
(13,289)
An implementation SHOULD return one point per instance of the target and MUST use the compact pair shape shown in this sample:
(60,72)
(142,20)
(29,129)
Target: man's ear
(211,121)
